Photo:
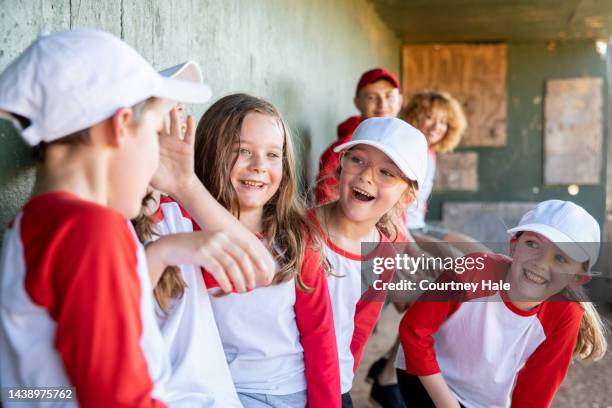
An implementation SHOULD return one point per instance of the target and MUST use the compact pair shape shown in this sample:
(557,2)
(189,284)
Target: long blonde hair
(284,219)
(426,103)
(591,343)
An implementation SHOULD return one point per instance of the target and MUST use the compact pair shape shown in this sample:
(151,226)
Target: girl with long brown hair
(183,309)
(279,340)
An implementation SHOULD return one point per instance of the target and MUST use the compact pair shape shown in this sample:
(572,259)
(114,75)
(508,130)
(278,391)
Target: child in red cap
(377,95)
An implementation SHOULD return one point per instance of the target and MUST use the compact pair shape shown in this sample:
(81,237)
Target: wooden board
(573,132)
(474,74)
(457,171)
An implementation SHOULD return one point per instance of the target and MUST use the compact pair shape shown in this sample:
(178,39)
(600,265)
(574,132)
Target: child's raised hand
(175,171)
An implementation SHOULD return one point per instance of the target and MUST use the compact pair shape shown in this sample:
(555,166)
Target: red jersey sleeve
(423,318)
(546,368)
(314,318)
(367,312)
(366,316)
(326,189)
(87,278)
(419,324)
(369,306)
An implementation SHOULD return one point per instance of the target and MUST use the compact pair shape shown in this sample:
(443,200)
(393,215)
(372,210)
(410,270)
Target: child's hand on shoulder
(230,260)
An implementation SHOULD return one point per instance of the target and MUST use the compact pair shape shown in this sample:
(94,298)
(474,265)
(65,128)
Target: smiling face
(258,167)
(434,126)
(370,184)
(540,269)
(379,99)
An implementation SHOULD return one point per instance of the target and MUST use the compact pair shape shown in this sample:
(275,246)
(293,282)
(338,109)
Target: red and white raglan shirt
(491,353)
(355,303)
(279,340)
(189,328)
(77,307)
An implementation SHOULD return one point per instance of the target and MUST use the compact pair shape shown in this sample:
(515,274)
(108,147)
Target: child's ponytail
(171,284)
(591,344)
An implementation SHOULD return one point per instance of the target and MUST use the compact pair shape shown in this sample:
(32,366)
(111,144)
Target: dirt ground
(587,385)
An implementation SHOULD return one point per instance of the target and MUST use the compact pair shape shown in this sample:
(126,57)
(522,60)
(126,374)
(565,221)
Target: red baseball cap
(374,75)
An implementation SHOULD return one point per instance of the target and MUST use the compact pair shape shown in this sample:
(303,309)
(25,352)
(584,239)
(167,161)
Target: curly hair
(426,103)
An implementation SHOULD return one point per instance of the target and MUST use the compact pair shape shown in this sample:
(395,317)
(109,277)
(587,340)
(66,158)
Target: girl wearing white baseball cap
(508,344)
(382,167)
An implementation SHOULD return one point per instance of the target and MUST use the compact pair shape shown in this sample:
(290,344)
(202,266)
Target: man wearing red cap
(377,95)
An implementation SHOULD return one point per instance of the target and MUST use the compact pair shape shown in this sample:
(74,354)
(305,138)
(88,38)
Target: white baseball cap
(404,144)
(68,81)
(187,71)
(567,225)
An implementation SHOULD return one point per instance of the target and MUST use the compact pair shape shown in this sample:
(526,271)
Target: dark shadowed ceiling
(417,21)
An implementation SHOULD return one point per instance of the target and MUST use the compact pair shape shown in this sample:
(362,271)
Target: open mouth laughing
(362,195)
(252,184)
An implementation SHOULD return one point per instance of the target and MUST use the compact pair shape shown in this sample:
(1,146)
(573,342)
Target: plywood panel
(457,171)
(474,74)
(573,135)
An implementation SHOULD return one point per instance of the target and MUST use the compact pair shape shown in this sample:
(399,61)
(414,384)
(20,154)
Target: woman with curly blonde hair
(439,116)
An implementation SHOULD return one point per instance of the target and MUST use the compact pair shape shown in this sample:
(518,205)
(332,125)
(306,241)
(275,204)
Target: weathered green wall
(516,171)
(305,56)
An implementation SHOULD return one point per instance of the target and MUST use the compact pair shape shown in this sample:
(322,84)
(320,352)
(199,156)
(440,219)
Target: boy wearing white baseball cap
(76,305)
(508,346)
(380,170)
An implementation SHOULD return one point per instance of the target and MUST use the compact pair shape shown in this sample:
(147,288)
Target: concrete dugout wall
(305,56)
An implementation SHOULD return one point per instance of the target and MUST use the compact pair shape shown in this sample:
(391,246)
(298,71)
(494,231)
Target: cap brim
(172,91)
(187,71)
(391,154)
(565,243)
(182,83)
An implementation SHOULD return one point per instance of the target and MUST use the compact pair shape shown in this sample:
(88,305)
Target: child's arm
(439,392)
(314,318)
(419,324)
(221,256)
(175,176)
(94,297)
(367,312)
(544,371)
